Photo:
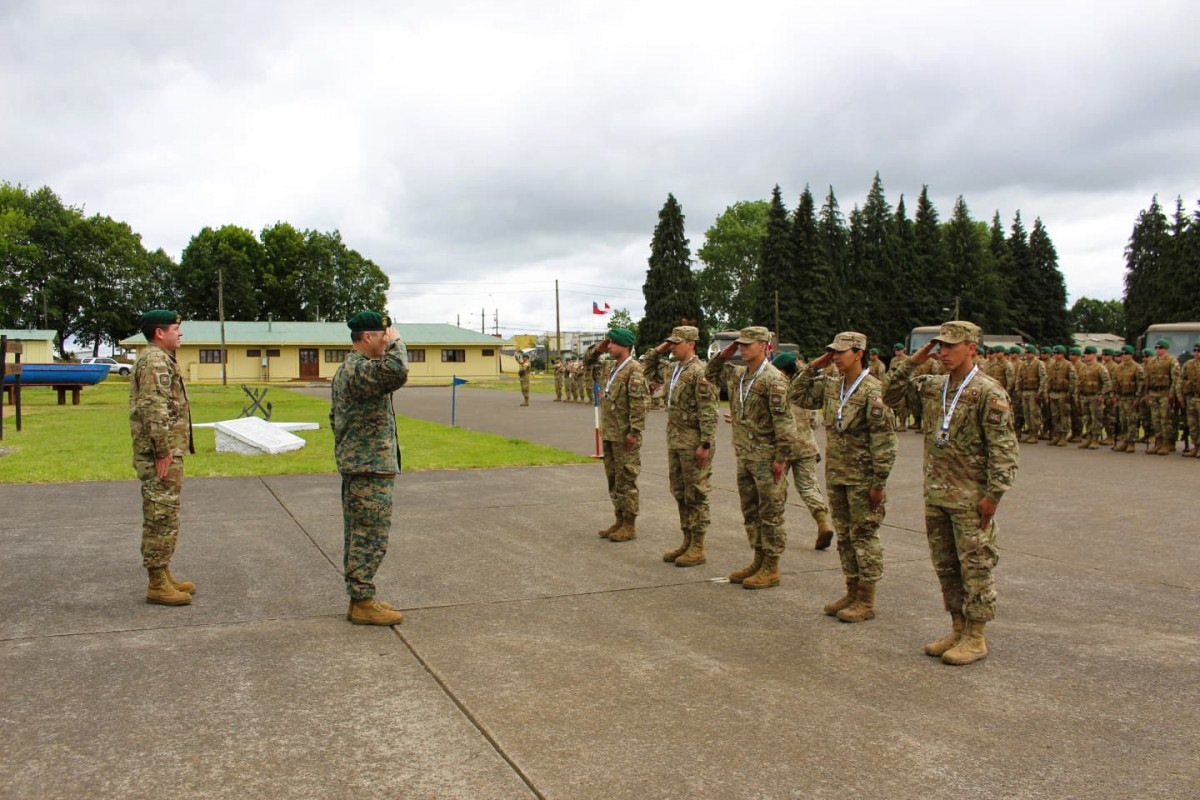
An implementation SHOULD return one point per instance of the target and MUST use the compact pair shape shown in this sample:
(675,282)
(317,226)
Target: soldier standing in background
(901,407)
(970,462)
(1189,386)
(691,402)
(874,366)
(1062,384)
(622,420)
(764,435)
(1015,352)
(1031,388)
(160,422)
(1162,388)
(803,463)
(1128,382)
(1047,359)
(523,376)
(860,451)
(368,456)
(1108,359)
(1095,387)
(1074,355)
(559,375)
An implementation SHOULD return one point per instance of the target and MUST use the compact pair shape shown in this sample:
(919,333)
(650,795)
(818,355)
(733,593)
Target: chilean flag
(596,309)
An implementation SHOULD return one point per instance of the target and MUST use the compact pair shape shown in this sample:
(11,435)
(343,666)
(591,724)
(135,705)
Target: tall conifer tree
(1053,290)
(835,246)
(814,281)
(775,272)
(670,289)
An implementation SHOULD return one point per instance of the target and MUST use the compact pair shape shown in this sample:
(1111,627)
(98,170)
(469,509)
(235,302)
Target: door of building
(309,367)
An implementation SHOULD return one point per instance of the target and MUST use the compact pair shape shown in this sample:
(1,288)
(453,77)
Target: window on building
(487,351)
(336,356)
(454,355)
(212,356)
(416,355)
(256,353)
(272,354)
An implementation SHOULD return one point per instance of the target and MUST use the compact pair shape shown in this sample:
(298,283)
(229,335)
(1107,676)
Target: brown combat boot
(1121,447)
(1061,442)
(1165,449)
(936,649)
(1093,445)
(183,586)
(161,591)
(628,529)
(824,531)
(678,551)
(970,647)
(863,606)
(746,572)
(1031,439)
(695,555)
(350,610)
(611,529)
(833,608)
(1106,441)
(1083,443)
(766,577)
(371,612)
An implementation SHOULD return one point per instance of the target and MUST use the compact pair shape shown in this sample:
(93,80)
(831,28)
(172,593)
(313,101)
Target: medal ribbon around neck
(844,396)
(744,394)
(612,377)
(947,414)
(675,379)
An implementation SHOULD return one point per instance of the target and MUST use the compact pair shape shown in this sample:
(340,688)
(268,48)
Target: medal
(613,376)
(844,396)
(943,436)
(942,439)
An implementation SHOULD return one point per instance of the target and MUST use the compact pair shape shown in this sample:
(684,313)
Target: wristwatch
(706,445)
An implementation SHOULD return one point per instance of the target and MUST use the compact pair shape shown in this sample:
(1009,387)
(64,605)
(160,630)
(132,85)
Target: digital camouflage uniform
(1129,384)
(1095,387)
(160,421)
(368,458)
(1189,387)
(1112,415)
(559,374)
(1061,386)
(1031,385)
(691,402)
(901,407)
(622,411)
(1162,387)
(858,458)
(806,455)
(523,376)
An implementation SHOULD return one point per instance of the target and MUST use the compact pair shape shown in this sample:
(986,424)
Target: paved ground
(538,660)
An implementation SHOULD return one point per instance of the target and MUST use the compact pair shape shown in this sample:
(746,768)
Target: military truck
(1182,336)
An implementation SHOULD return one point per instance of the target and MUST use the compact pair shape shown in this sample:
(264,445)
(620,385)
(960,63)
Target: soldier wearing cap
(1189,387)
(1128,383)
(1061,383)
(1095,386)
(1031,388)
(970,462)
(1162,388)
(1074,355)
(559,373)
(1000,369)
(160,422)
(1109,362)
(806,456)
(899,356)
(860,450)
(368,456)
(764,435)
(874,366)
(623,399)
(523,371)
(691,402)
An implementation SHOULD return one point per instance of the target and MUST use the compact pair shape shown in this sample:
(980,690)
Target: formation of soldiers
(1090,397)
(572,384)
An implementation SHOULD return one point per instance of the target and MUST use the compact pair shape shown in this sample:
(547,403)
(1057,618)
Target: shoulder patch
(164,379)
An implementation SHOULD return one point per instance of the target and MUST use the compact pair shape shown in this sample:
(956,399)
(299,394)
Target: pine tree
(814,281)
(670,289)
(1024,286)
(879,282)
(1145,279)
(835,246)
(1055,325)
(1000,265)
(907,283)
(775,289)
(931,271)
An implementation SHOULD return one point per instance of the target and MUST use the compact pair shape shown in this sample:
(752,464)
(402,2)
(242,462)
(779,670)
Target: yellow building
(289,351)
(39,346)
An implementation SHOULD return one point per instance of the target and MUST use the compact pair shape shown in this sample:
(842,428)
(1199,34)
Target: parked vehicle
(119,367)
(1182,336)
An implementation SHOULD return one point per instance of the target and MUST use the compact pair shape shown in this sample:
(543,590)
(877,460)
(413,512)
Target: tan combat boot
(628,529)
(1093,445)
(824,531)
(611,529)
(863,606)
(183,586)
(746,572)
(766,577)
(1083,443)
(350,610)
(1121,447)
(1165,449)
(372,612)
(1062,442)
(161,591)
(678,551)
(695,555)
(833,608)
(936,649)
(970,647)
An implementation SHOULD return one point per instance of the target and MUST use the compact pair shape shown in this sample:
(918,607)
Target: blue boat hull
(59,374)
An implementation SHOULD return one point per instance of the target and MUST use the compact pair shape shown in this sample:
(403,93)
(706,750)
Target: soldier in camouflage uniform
(623,403)
(1062,383)
(803,463)
(691,402)
(160,422)
(1031,388)
(1189,389)
(368,456)
(970,462)
(764,437)
(1111,405)
(559,374)
(1095,387)
(1128,383)
(875,367)
(901,407)
(1162,389)
(860,450)
(523,371)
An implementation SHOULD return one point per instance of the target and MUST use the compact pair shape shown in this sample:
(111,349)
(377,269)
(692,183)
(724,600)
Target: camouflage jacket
(763,429)
(1189,383)
(523,376)
(980,460)
(1128,380)
(1161,374)
(1061,378)
(623,403)
(1031,376)
(863,452)
(691,407)
(361,415)
(1002,372)
(1094,379)
(160,416)
(806,441)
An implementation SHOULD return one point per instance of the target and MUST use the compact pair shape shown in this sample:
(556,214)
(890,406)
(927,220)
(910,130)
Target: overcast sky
(477,151)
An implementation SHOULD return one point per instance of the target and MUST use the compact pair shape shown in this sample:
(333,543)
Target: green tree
(931,271)
(814,322)
(109,287)
(879,282)
(974,289)
(283,277)
(907,284)
(1052,313)
(1024,283)
(670,290)
(621,318)
(835,247)
(731,252)
(230,257)
(774,288)
(1097,316)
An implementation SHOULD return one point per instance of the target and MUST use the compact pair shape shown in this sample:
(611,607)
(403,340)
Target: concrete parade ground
(538,660)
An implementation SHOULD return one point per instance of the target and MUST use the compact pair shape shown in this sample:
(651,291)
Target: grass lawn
(90,441)
(538,384)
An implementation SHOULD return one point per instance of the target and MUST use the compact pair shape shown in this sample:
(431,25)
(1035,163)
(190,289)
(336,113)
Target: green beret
(1031,348)
(1091,348)
(1147,351)
(1014,350)
(1058,348)
(369,321)
(160,316)
(1163,343)
(1197,344)
(897,346)
(1047,349)
(622,336)
(1075,351)
(784,361)
(1129,349)
(873,351)
(1108,351)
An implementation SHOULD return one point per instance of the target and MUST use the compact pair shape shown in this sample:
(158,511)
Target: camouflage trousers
(1031,410)
(963,557)
(1060,416)
(1129,419)
(558,387)
(763,502)
(1092,408)
(367,521)
(525,390)
(1112,418)
(691,487)
(622,470)
(1192,409)
(160,510)
(804,474)
(857,526)
(1162,420)
(901,410)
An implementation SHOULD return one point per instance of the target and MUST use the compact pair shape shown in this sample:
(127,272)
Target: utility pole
(221,316)
(496,322)
(482,320)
